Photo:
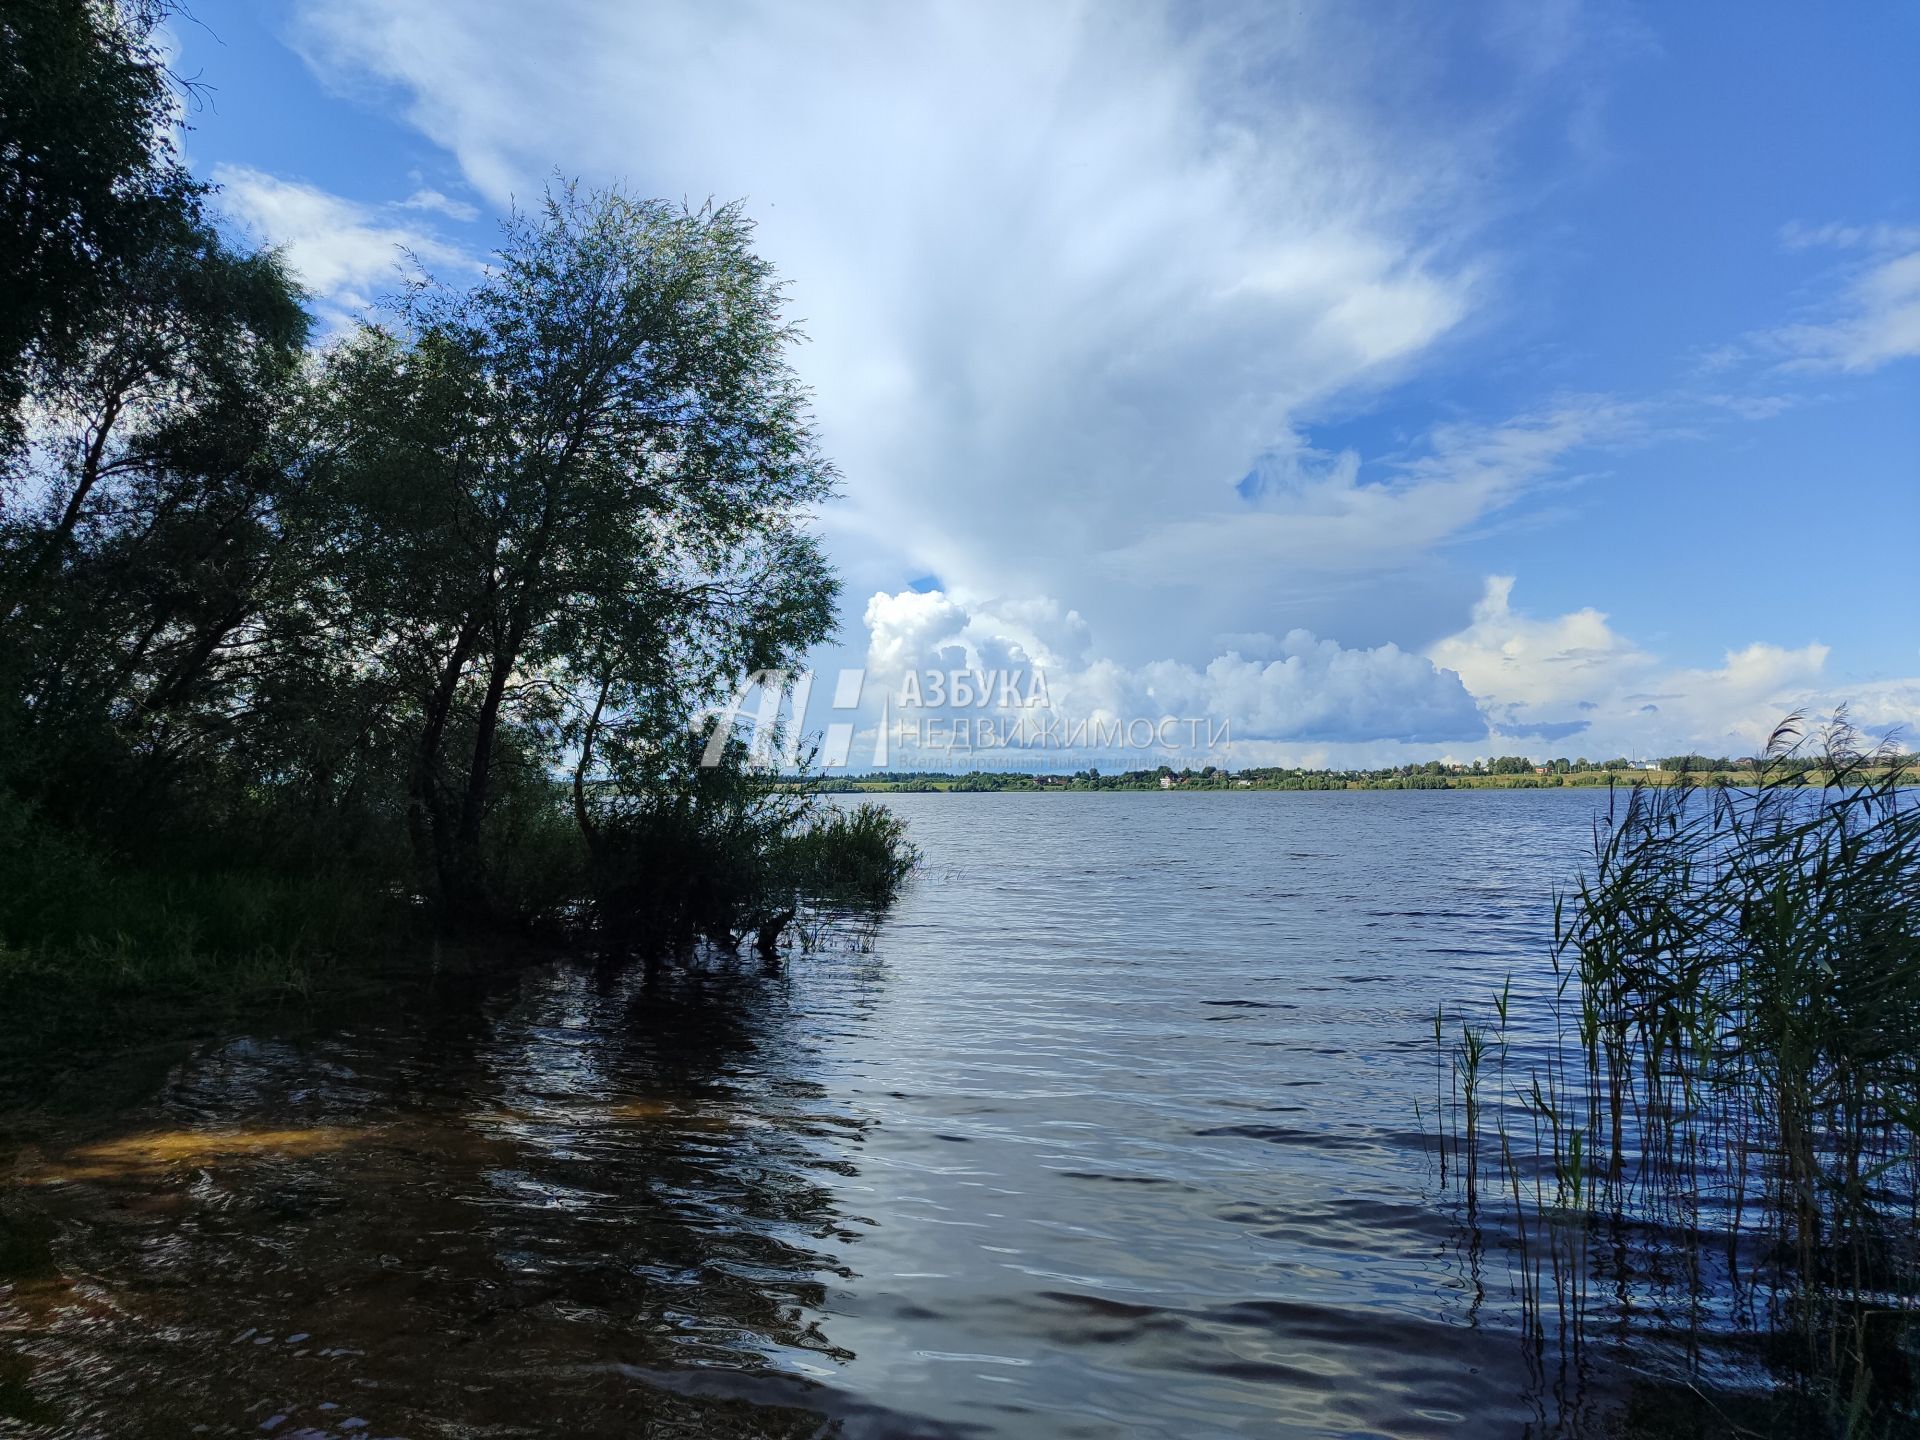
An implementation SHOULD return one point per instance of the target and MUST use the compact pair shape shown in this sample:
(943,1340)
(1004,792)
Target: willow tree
(143,362)
(90,182)
(575,493)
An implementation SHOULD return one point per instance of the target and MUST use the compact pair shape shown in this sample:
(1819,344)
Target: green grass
(96,957)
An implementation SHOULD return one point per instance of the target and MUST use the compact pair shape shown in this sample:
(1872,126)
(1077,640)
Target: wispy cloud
(434,200)
(1067,271)
(1877,321)
(1314,512)
(1869,318)
(346,253)
(1882,235)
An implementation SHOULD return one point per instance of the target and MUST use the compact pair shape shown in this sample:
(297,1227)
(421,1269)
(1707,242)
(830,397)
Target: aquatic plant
(856,856)
(730,851)
(1721,1123)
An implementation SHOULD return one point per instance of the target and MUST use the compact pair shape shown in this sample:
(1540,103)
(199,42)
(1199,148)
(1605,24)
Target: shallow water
(1109,1130)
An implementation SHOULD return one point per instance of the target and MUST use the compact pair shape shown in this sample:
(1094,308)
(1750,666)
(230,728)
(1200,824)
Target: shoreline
(991,782)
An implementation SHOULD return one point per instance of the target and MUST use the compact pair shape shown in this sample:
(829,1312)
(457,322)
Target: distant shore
(1152,782)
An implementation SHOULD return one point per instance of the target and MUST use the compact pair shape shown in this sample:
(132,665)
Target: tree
(146,359)
(90,185)
(576,494)
(428,610)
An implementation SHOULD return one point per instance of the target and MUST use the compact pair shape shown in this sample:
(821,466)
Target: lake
(1117,1126)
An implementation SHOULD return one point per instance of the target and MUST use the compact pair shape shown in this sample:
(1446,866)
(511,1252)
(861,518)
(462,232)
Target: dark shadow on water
(594,1201)
(1655,1362)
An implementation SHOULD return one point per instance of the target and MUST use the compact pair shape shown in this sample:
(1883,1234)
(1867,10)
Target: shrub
(858,856)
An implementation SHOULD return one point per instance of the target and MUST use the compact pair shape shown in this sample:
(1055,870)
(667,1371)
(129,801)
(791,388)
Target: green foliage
(294,642)
(90,187)
(570,503)
(729,851)
(857,856)
(1698,764)
(690,854)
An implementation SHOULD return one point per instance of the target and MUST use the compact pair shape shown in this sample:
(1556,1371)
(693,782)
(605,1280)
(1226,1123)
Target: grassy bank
(145,962)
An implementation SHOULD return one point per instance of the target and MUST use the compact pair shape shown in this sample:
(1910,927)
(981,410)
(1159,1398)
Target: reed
(859,855)
(1720,1119)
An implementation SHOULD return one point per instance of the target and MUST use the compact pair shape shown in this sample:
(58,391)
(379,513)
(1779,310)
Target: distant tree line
(1507,771)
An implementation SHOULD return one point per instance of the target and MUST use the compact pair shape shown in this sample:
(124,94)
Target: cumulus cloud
(1303,689)
(1517,661)
(1553,678)
(926,629)
(1317,691)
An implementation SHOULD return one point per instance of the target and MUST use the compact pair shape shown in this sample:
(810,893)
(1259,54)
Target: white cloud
(1314,513)
(916,630)
(1755,407)
(1879,322)
(1797,235)
(1508,682)
(1303,690)
(425,199)
(1572,684)
(1067,271)
(342,251)
(1317,691)
(1887,708)
(1540,666)
(1870,319)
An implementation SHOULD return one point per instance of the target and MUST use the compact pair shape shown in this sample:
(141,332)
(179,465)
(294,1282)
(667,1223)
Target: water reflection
(518,1217)
(1111,1132)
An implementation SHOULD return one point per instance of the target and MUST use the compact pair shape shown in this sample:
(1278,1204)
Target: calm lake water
(1110,1130)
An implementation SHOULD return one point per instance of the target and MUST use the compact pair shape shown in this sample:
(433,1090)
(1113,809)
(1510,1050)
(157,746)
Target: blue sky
(1393,383)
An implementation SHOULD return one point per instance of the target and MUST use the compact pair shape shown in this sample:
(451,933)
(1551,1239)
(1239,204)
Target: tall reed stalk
(1722,1129)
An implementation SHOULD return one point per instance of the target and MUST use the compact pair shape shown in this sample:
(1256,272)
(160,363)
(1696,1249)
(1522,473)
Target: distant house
(1539,769)
(1166,782)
